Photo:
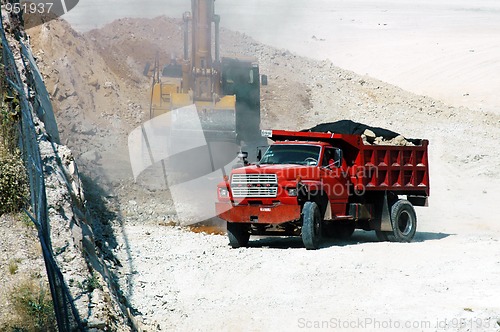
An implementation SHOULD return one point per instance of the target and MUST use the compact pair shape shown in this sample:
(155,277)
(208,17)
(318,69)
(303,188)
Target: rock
(72,168)
(97,324)
(369,135)
(109,85)
(399,140)
(55,90)
(88,129)
(90,156)
(75,187)
(69,92)
(365,141)
(94,83)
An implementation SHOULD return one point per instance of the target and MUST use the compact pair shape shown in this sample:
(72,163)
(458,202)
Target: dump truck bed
(394,168)
(401,169)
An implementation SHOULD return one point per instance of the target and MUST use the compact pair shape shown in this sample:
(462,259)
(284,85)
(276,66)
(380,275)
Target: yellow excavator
(226,91)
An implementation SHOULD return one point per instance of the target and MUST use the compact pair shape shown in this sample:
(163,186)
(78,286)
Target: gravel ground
(188,281)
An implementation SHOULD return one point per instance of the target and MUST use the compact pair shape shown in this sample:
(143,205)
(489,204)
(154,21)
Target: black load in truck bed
(354,128)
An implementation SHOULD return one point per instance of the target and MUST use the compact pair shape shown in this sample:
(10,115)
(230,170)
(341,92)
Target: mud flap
(382,221)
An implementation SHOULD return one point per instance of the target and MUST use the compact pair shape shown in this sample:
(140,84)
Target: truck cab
(314,185)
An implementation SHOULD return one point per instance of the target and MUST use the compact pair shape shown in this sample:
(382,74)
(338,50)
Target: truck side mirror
(259,154)
(242,156)
(263,80)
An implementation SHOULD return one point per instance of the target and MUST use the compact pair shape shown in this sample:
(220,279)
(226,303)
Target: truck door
(335,180)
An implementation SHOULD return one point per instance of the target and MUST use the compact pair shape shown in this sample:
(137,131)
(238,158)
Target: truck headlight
(292,191)
(223,192)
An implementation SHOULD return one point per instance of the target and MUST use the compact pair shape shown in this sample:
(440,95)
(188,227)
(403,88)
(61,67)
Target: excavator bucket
(218,123)
(217,119)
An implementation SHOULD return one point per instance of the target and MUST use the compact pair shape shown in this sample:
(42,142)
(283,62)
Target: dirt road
(188,281)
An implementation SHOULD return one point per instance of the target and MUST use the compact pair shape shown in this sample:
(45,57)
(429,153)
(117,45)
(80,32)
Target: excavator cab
(240,77)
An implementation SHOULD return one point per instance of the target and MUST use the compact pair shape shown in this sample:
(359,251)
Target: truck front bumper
(261,214)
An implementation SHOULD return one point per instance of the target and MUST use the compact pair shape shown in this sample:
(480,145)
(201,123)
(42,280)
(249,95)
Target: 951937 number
(29,7)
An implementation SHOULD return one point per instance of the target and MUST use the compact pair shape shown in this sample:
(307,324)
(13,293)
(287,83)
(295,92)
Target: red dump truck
(313,185)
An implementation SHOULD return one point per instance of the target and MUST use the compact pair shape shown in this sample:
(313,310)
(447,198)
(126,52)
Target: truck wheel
(311,225)
(404,222)
(237,234)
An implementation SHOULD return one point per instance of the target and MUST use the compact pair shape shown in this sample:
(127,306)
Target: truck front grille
(254,185)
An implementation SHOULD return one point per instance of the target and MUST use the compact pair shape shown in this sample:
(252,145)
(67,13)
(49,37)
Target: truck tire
(311,225)
(238,234)
(404,222)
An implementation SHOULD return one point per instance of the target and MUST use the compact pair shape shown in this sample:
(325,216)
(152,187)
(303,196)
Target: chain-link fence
(35,97)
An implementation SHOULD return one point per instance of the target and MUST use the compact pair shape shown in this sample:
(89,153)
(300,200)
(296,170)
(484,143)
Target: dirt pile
(95,106)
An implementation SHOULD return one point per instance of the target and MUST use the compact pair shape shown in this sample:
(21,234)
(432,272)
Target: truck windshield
(292,154)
